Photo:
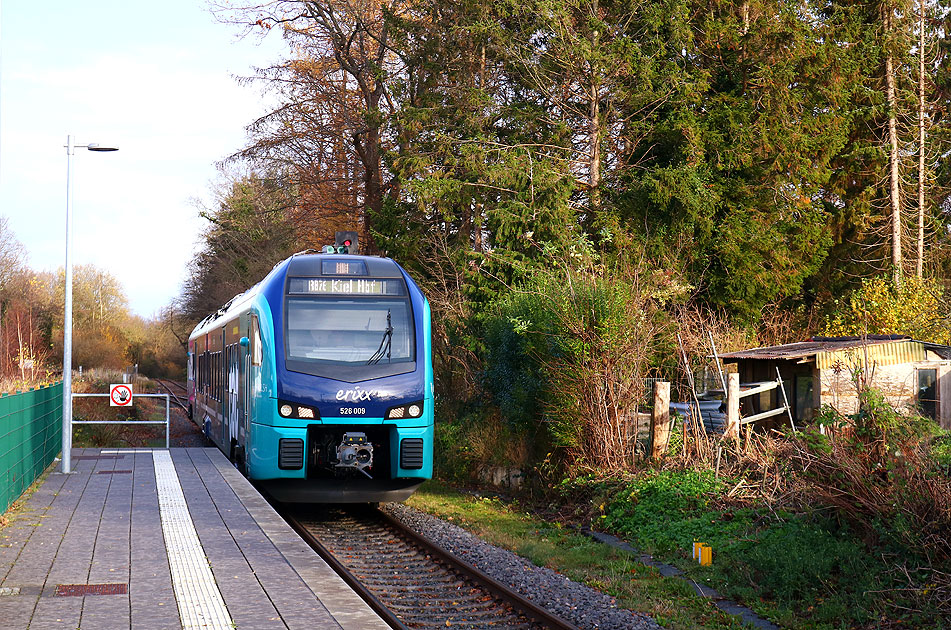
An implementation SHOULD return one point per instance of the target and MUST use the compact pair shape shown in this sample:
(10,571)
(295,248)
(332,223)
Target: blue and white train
(318,381)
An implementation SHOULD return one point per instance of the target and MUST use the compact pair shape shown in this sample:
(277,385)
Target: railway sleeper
(399,587)
(486,625)
(435,578)
(470,609)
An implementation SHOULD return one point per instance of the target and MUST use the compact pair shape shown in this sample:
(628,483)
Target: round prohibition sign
(120,395)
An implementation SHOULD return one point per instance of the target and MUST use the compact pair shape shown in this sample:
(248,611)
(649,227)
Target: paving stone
(91,528)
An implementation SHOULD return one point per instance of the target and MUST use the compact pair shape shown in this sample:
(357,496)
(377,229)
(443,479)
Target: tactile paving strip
(200,604)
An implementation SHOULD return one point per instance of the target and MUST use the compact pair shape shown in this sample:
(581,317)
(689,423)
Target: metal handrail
(165,422)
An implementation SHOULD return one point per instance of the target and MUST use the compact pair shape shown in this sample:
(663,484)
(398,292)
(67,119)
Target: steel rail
(524,606)
(388,616)
(172,394)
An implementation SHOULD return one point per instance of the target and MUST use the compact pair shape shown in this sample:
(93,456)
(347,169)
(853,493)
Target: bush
(646,509)
(569,352)
(875,471)
(477,440)
(941,452)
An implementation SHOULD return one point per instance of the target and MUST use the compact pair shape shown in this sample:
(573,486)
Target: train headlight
(289,409)
(412,410)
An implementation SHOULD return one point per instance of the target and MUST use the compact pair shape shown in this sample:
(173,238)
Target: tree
(730,173)
(27,310)
(21,342)
(12,254)
(100,318)
(915,308)
(338,85)
(248,233)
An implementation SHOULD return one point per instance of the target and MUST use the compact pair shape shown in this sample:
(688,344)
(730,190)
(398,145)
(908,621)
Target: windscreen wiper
(385,343)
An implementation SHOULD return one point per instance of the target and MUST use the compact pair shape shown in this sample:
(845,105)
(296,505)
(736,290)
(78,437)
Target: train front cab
(286,451)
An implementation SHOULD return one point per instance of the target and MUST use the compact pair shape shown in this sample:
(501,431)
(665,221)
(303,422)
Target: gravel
(183,433)
(573,602)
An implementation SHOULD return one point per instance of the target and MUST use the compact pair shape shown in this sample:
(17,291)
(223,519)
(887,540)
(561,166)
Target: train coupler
(355,451)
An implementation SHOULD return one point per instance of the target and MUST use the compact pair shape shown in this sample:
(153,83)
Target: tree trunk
(477,229)
(594,124)
(920,262)
(894,189)
(372,182)
(594,139)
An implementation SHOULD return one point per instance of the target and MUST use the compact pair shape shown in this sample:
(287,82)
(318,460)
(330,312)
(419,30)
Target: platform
(163,539)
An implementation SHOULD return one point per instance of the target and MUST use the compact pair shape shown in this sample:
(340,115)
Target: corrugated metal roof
(803,349)
(847,352)
(879,353)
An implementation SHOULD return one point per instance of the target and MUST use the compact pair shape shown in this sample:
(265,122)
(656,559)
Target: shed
(820,371)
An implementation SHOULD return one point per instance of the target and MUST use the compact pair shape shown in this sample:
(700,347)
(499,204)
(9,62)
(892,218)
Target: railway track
(409,581)
(169,386)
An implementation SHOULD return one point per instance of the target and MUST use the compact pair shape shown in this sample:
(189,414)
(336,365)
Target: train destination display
(348,286)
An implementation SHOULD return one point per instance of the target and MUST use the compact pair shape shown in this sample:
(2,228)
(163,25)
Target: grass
(670,601)
(805,570)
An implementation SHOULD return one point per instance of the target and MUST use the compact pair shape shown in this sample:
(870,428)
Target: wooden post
(660,420)
(732,405)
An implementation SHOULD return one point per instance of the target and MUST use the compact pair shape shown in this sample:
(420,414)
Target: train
(317,382)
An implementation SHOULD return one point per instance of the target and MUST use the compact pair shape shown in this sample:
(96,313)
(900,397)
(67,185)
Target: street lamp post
(68,307)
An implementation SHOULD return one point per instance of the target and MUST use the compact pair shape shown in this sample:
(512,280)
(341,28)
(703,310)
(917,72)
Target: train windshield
(361,336)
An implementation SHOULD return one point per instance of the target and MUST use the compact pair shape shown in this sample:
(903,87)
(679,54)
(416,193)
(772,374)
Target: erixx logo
(356,394)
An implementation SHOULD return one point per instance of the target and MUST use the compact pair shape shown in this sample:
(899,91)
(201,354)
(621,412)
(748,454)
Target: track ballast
(410,582)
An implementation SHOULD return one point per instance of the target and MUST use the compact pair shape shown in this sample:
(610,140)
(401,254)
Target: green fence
(31,430)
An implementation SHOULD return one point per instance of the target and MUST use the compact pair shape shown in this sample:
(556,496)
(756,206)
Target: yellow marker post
(706,555)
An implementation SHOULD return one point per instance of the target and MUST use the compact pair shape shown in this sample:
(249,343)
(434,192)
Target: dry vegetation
(105,333)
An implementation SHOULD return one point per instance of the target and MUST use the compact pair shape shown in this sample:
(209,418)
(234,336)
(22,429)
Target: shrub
(569,352)
(476,440)
(875,471)
(648,506)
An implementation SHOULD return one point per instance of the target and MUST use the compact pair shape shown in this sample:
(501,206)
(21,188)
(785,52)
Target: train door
(240,420)
(221,390)
(230,403)
(252,377)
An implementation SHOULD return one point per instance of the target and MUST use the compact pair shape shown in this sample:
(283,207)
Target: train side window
(257,352)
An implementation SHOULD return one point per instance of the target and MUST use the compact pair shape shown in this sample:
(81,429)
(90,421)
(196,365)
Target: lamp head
(92,146)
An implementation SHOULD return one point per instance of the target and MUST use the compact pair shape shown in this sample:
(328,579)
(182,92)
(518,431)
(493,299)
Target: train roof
(311,265)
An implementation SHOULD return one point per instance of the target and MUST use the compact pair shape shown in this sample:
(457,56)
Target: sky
(156,80)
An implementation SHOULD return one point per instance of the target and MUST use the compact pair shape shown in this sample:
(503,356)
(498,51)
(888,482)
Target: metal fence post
(166,417)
